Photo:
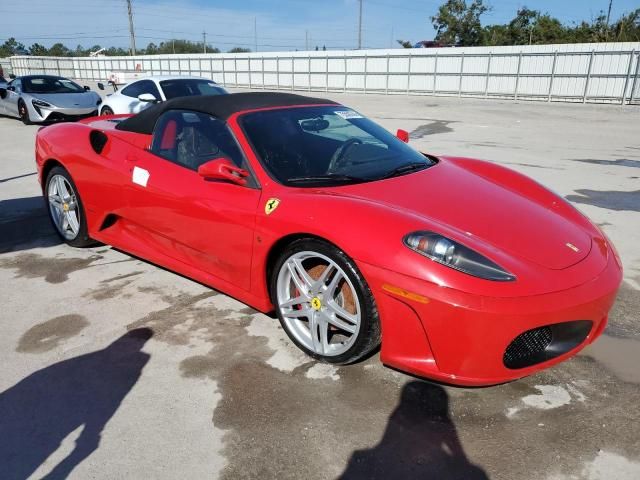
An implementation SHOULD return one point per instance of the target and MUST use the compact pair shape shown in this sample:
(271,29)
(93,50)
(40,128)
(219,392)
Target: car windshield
(334,145)
(189,87)
(50,85)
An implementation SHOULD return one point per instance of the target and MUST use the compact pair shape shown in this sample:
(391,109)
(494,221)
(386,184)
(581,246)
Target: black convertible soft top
(220,106)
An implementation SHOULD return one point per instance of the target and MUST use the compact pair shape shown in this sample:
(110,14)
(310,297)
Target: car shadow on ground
(40,411)
(25,224)
(419,442)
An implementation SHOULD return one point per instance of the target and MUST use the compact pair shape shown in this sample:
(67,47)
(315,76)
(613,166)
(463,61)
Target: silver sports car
(47,98)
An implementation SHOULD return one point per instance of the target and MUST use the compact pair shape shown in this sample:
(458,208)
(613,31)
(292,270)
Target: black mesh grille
(527,347)
(61,117)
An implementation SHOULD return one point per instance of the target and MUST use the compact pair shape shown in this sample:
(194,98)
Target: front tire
(106,111)
(324,303)
(65,208)
(23,112)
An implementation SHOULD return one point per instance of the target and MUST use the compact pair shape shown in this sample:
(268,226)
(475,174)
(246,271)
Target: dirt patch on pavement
(433,128)
(50,334)
(621,162)
(52,269)
(113,287)
(624,317)
(610,199)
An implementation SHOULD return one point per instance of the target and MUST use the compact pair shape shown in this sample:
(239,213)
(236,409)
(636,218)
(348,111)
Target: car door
(207,224)
(14,90)
(136,89)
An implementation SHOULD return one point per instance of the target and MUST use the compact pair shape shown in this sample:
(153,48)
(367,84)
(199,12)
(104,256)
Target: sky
(280,25)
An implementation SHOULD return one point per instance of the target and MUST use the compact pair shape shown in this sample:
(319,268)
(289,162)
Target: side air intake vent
(544,343)
(98,140)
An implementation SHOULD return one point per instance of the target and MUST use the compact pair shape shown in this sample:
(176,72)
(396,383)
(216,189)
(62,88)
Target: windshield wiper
(329,177)
(410,167)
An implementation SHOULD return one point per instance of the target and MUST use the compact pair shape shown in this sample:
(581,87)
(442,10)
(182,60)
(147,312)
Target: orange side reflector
(404,293)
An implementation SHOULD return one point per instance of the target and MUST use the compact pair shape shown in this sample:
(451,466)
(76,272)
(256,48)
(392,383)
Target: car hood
(68,100)
(480,209)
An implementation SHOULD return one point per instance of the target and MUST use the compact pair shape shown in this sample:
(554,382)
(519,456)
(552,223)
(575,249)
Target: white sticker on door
(140,176)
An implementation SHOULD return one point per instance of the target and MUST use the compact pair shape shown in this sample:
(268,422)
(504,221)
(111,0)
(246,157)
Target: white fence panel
(604,72)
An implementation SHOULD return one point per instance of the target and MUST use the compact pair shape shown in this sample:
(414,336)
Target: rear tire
(324,303)
(23,111)
(106,111)
(66,210)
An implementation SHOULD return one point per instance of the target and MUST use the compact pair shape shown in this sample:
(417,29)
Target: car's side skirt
(124,239)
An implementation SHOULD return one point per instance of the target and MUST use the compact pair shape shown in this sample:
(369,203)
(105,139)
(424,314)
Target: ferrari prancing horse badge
(271,205)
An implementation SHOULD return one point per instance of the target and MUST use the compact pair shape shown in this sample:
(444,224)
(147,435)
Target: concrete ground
(219,392)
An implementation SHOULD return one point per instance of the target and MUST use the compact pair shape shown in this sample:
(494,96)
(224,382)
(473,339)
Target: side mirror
(12,76)
(147,97)
(223,169)
(87,88)
(403,135)
(101,85)
(3,93)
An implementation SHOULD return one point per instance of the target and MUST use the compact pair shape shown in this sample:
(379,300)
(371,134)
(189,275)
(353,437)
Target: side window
(17,84)
(192,138)
(140,87)
(132,90)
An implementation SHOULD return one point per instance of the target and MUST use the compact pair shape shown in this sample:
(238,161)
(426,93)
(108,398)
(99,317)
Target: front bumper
(460,338)
(58,114)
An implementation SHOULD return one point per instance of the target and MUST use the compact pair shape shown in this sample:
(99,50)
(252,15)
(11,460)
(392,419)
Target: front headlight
(455,255)
(40,103)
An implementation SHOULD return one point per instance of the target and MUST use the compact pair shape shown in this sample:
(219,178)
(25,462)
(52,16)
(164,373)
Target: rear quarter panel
(98,177)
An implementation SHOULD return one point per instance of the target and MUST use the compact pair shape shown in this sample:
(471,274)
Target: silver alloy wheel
(63,206)
(318,303)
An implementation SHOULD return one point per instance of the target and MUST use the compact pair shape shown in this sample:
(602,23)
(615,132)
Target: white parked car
(138,95)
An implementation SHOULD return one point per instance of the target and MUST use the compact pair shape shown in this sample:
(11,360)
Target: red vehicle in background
(464,271)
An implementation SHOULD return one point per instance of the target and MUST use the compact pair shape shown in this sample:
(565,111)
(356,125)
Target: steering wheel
(336,159)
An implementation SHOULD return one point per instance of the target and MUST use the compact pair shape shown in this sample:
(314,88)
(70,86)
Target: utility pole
(609,12)
(391,40)
(360,27)
(131,31)
(255,31)
(204,41)
(306,40)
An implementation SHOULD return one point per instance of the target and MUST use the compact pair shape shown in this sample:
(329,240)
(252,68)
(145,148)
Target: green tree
(627,28)
(496,35)
(152,49)
(239,50)
(520,29)
(59,50)
(38,50)
(548,29)
(11,47)
(405,43)
(80,51)
(116,52)
(527,27)
(458,23)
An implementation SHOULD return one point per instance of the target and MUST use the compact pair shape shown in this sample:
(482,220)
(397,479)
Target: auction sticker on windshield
(348,114)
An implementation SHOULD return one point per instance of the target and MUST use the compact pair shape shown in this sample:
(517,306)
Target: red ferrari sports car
(464,271)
